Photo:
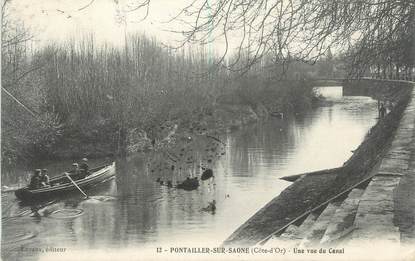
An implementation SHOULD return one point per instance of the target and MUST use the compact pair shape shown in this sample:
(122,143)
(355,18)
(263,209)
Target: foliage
(27,131)
(80,96)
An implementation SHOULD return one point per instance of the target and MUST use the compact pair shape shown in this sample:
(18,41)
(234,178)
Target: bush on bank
(92,100)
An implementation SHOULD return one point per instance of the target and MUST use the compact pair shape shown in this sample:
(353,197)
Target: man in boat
(83,168)
(44,178)
(75,171)
(35,180)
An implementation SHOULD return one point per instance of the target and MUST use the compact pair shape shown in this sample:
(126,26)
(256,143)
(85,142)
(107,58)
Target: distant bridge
(328,82)
(333,82)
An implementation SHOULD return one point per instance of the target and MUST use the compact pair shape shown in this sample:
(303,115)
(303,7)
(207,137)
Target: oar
(8,190)
(69,177)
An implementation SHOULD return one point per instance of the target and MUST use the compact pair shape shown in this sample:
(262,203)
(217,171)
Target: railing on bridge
(332,82)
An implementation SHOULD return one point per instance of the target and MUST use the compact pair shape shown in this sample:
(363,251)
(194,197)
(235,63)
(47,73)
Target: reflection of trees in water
(187,158)
(280,138)
(137,211)
(253,145)
(146,209)
(71,233)
(99,225)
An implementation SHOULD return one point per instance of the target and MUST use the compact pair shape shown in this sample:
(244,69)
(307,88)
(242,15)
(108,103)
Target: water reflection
(141,212)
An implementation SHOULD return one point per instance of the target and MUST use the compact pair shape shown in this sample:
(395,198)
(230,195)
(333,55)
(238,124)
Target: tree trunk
(390,71)
(397,72)
(378,71)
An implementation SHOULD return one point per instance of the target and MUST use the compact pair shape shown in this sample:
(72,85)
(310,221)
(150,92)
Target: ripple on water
(66,213)
(17,236)
(96,199)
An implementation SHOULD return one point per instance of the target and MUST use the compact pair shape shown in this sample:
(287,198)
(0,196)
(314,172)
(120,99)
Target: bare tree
(300,30)
(297,29)
(14,39)
(294,30)
(25,128)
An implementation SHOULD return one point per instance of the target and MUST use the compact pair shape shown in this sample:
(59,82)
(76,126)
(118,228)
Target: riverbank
(256,156)
(230,112)
(100,138)
(97,100)
(310,191)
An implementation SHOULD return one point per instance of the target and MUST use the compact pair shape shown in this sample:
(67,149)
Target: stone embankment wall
(386,208)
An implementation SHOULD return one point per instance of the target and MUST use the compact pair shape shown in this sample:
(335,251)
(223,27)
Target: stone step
(293,234)
(285,241)
(317,230)
(307,224)
(297,232)
(342,222)
(375,214)
(290,233)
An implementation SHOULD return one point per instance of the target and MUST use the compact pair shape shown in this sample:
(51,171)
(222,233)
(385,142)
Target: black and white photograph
(207,130)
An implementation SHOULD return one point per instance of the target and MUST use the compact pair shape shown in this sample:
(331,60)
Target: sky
(57,20)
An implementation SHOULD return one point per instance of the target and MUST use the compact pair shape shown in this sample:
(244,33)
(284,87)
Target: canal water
(135,211)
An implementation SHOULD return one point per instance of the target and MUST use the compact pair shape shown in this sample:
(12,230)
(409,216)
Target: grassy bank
(84,99)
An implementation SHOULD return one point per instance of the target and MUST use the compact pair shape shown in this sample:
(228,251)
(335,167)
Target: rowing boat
(61,185)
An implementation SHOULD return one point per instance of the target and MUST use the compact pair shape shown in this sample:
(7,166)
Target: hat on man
(84,159)
(75,164)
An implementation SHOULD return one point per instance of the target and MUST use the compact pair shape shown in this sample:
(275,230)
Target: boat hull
(104,174)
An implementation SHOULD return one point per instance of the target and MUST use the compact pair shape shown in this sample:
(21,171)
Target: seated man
(35,180)
(74,173)
(44,178)
(83,168)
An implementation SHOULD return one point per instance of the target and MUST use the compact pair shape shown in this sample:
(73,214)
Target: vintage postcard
(207,130)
